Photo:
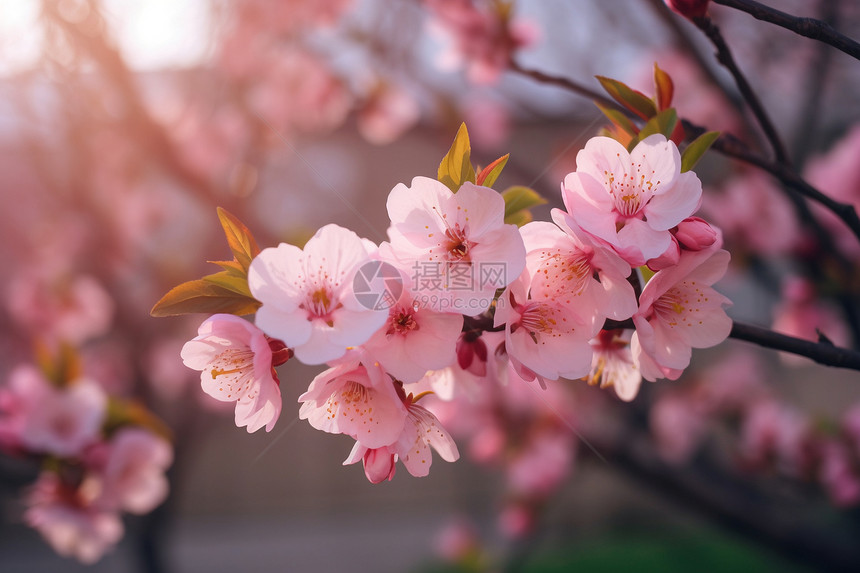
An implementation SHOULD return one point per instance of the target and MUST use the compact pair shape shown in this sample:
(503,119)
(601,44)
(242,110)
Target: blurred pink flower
(803,314)
(480,36)
(754,215)
(839,475)
(679,423)
(543,462)
(133,473)
(235,360)
(837,173)
(69,520)
(772,433)
(307,294)
(612,363)
(631,200)
(679,311)
(60,307)
(387,114)
(46,419)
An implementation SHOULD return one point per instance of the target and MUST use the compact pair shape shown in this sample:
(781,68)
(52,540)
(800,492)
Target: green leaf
(664,86)
(618,119)
(203,296)
(231,282)
(635,101)
(232,267)
(697,148)
(491,172)
(663,123)
(456,167)
(518,202)
(239,238)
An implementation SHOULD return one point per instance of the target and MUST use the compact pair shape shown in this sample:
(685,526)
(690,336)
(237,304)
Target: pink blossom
(801,313)
(307,295)
(678,311)
(545,337)
(570,267)
(457,247)
(482,41)
(754,214)
(69,520)
(612,363)
(235,360)
(421,431)
(60,308)
(415,339)
(357,400)
(631,200)
(47,419)
(387,113)
(695,234)
(133,473)
(543,462)
(773,433)
(679,424)
(457,540)
(838,474)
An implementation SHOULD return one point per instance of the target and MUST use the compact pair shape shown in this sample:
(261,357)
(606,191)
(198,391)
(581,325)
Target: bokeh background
(124,124)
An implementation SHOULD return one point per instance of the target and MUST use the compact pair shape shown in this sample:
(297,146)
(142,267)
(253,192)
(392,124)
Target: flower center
(670,306)
(458,246)
(402,322)
(236,366)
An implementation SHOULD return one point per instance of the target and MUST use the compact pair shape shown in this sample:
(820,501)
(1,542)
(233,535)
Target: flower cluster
(618,287)
(98,459)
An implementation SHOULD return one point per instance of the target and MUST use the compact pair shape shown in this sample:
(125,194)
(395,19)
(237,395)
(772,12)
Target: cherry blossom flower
(235,359)
(456,246)
(568,266)
(357,400)
(70,521)
(545,336)
(678,311)
(838,474)
(421,431)
(678,422)
(133,472)
(612,363)
(48,419)
(307,295)
(631,200)
(415,339)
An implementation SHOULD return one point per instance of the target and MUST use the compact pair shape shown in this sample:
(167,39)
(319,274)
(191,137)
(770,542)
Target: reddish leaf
(664,87)
(205,297)
(491,172)
(240,239)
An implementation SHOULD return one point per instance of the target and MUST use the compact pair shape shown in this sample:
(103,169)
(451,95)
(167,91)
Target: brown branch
(724,56)
(809,27)
(821,352)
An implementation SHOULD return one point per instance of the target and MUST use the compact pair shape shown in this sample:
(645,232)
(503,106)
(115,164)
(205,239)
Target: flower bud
(688,8)
(695,234)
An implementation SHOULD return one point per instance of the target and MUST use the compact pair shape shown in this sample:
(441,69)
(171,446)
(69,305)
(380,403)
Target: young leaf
(231,282)
(664,87)
(663,123)
(232,267)
(635,101)
(203,296)
(239,238)
(618,119)
(518,201)
(491,172)
(456,167)
(697,148)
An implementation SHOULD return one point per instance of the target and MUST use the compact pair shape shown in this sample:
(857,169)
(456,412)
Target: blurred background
(124,124)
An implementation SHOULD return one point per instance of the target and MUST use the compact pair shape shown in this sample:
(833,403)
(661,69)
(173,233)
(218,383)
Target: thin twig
(809,27)
(724,56)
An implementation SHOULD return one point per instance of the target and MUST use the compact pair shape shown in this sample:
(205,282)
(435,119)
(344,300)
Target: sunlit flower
(235,360)
(307,295)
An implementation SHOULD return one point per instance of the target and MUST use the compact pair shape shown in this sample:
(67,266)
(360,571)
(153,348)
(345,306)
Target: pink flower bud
(695,234)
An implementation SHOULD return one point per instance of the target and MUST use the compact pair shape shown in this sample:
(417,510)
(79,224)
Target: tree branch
(724,56)
(821,352)
(809,27)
